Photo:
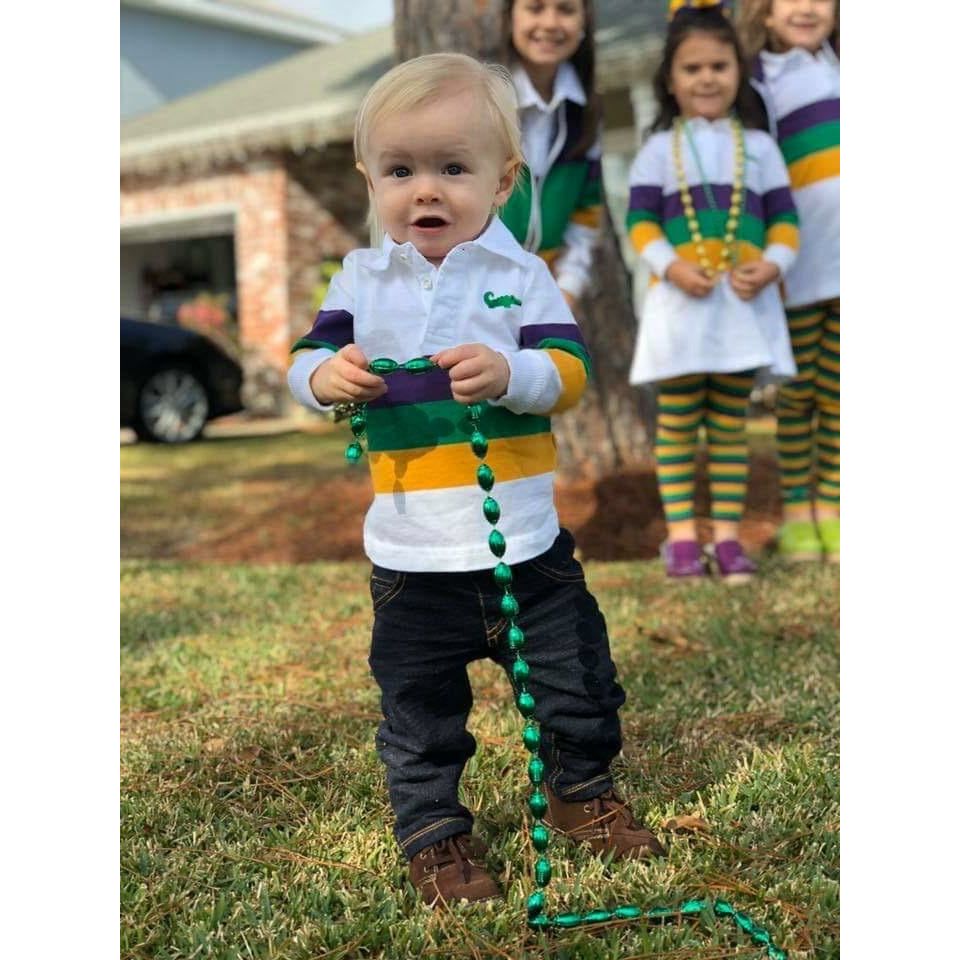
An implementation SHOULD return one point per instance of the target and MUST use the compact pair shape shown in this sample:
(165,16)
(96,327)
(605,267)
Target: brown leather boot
(606,824)
(452,870)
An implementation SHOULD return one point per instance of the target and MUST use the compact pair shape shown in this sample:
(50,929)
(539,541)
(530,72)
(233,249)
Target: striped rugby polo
(426,513)
(655,220)
(802,93)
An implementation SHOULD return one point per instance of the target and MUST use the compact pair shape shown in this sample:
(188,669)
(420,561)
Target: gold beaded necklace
(736,196)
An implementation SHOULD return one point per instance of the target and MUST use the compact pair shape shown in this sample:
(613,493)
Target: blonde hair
(754,35)
(415,82)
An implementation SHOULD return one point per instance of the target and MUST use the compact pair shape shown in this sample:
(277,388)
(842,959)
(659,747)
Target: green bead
(535,903)
(691,907)
(537,803)
(540,837)
(520,670)
(353,452)
(478,444)
(658,913)
(598,916)
(503,575)
(509,606)
(526,703)
(358,423)
(491,510)
(485,477)
(542,872)
(627,913)
(540,922)
(775,953)
(567,920)
(515,638)
(535,769)
(419,365)
(474,410)
(497,544)
(760,935)
(744,922)
(383,365)
(531,737)
(723,909)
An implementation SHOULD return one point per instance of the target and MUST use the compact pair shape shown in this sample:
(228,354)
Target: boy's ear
(507,179)
(366,176)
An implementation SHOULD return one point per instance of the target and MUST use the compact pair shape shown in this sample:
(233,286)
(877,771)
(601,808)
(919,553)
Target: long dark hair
(746,105)
(583,62)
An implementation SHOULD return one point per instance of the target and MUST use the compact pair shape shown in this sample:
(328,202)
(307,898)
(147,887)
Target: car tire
(172,406)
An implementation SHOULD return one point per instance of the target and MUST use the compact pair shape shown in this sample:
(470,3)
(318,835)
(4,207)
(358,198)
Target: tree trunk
(611,426)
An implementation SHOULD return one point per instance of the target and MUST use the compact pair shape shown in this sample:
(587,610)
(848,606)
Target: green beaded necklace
(537,917)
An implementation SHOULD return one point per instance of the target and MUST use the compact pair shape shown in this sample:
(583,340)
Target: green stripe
(788,216)
(821,137)
(679,408)
(713,226)
(641,216)
(415,425)
(675,497)
(569,346)
(715,406)
(313,344)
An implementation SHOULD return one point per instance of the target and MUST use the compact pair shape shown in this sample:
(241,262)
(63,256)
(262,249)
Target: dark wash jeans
(428,626)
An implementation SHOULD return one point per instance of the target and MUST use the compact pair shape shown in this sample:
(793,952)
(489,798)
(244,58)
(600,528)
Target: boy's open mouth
(430,223)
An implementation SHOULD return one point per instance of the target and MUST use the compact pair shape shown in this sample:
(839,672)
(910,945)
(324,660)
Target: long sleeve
(332,329)
(549,371)
(580,237)
(782,236)
(645,212)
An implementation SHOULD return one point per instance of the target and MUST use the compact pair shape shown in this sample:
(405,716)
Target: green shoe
(798,542)
(830,537)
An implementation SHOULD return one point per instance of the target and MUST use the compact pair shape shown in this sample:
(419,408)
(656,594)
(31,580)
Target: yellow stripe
(724,419)
(816,167)
(785,233)
(573,379)
(676,421)
(793,446)
(829,363)
(668,471)
(644,232)
(742,251)
(454,464)
(672,489)
(735,470)
(587,216)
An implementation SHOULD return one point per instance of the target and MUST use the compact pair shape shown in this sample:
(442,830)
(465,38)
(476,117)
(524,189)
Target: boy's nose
(426,190)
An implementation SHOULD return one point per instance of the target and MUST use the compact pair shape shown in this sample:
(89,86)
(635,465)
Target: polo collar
(496,238)
(775,63)
(566,86)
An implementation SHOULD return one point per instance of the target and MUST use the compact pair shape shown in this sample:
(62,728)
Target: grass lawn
(254,813)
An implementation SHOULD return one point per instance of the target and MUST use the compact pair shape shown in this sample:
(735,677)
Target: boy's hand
(344,378)
(748,279)
(476,372)
(690,278)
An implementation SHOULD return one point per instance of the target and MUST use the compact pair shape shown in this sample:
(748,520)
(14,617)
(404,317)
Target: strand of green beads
(520,672)
(537,918)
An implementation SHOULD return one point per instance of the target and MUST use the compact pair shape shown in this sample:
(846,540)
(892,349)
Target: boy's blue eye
(399,172)
(453,169)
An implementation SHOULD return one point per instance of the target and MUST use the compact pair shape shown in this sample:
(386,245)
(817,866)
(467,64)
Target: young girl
(555,210)
(796,69)
(711,213)
(438,143)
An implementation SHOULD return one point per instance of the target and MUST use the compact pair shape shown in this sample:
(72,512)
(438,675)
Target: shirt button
(426,283)
(404,257)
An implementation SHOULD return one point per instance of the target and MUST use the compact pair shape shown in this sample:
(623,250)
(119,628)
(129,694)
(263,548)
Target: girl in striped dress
(712,214)
(794,46)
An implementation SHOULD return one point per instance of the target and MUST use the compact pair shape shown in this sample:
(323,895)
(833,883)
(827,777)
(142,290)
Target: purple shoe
(682,559)
(733,565)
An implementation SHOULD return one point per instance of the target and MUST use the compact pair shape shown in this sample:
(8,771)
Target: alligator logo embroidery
(507,300)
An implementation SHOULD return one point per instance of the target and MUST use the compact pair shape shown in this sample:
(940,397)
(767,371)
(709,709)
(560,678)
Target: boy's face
(801,23)
(436,173)
(704,76)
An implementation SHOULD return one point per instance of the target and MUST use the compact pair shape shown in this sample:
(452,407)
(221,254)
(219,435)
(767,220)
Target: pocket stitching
(392,591)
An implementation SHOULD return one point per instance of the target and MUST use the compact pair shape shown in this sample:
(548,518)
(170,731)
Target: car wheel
(172,406)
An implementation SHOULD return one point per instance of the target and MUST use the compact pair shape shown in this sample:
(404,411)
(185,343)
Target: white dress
(719,333)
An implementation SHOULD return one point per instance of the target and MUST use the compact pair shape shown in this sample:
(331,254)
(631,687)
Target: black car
(172,381)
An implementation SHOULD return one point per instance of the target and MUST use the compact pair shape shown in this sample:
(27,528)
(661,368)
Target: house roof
(254,16)
(311,98)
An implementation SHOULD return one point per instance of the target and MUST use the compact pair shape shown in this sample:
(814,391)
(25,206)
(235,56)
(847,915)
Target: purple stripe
(533,333)
(673,205)
(646,198)
(334,326)
(404,388)
(823,111)
(778,201)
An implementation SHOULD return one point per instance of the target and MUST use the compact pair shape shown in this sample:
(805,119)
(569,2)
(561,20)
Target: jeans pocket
(385,585)
(558,562)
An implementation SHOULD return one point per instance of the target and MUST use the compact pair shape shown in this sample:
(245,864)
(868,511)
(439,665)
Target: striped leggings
(719,402)
(809,407)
